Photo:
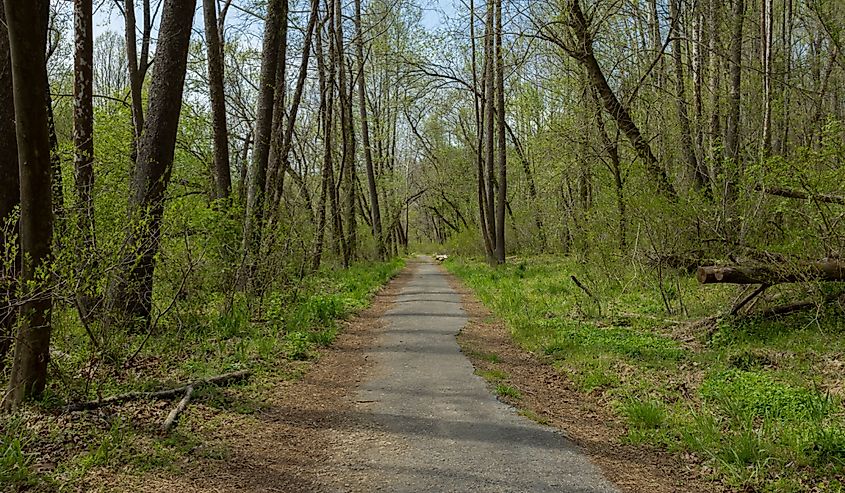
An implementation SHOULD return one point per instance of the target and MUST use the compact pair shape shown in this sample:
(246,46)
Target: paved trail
(443,430)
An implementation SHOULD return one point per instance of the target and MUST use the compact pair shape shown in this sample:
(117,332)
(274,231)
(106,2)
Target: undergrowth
(756,401)
(45,449)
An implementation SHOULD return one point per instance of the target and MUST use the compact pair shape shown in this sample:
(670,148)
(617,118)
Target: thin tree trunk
(766,18)
(26,27)
(489,127)
(83,134)
(365,136)
(348,155)
(584,54)
(478,102)
(503,155)
(326,109)
(688,148)
(130,294)
(220,131)
(715,82)
(732,133)
(287,137)
(257,174)
(10,198)
(136,80)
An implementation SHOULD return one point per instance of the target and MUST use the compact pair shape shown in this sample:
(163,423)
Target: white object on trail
(440,257)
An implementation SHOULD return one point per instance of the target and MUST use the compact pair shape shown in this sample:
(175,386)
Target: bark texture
(220,131)
(130,293)
(10,198)
(27,44)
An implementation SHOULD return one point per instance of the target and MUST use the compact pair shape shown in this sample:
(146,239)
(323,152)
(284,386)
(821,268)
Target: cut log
(160,394)
(183,403)
(827,270)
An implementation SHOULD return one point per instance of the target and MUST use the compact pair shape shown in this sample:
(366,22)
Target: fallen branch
(798,194)
(827,270)
(748,298)
(171,418)
(160,394)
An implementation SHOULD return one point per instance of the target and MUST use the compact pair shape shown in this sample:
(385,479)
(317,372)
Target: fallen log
(183,403)
(827,270)
(160,394)
(799,194)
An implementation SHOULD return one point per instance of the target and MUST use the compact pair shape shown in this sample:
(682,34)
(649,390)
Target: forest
(196,197)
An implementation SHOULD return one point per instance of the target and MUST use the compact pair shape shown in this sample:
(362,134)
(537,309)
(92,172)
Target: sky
(108,18)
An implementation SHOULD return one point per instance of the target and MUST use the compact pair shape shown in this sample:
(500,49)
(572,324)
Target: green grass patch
(748,398)
(503,390)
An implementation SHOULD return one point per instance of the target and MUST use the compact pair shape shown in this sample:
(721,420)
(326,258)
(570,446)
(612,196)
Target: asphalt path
(442,429)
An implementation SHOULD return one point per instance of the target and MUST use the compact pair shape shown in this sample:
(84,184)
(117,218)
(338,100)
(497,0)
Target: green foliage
(508,391)
(752,394)
(14,461)
(644,414)
(746,400)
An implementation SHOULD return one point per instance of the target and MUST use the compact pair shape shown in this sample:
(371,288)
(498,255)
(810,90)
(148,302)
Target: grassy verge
(756,402)
(42,449)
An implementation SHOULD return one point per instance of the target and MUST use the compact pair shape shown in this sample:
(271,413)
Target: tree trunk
(220,131)
(479,102)
(585,55)
(489,127)
(276,189)
(502,158)
(136,80)
(828,270)
(365,136)
(10,198)
(732,132)
(766,18)
(257,174)
(26,23)
(130,294)
(326,110)
(346,132)
(83,137)
(687,145)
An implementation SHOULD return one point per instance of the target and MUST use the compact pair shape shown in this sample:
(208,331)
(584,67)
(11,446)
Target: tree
(130,292)
(27,44)
(220,131)
(83,129)
(10,196)
(502,157)
(257,174)
(365,135)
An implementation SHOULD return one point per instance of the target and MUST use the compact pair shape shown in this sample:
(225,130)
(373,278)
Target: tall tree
(83,131)
(375,210)
(732,132)
(326,83)
(220,131)
(687,144)
(257,173)
(347,135)
(130,292)
(503,148)
(10,196)
(26,26)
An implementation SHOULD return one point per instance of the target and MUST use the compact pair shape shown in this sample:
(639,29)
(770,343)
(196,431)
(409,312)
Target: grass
(503,390)
(757,401)
(275,337)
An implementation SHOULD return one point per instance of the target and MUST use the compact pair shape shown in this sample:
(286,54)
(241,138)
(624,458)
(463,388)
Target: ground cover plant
(48,449)
(757,401)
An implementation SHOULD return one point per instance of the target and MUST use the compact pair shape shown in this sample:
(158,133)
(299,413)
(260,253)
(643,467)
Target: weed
(503,390)
(492,375)
(645,415)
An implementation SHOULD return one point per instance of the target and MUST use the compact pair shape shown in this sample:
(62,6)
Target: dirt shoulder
(550,398)
(290,444)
